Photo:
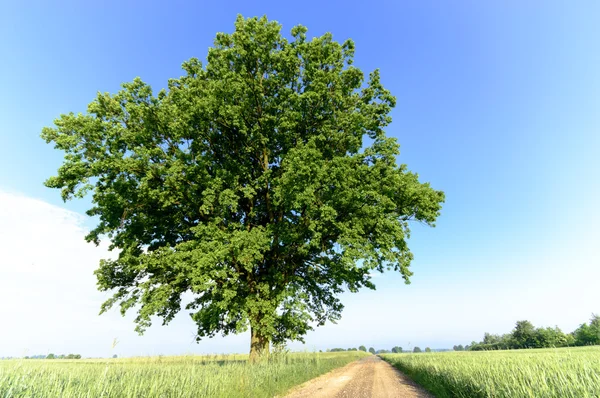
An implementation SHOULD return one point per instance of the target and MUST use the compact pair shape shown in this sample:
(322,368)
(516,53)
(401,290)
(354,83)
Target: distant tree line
(52,356)
(418,349)
(342,349)
(395,350)
(525,335)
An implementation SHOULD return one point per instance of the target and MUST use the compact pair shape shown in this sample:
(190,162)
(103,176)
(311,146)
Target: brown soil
(370,377)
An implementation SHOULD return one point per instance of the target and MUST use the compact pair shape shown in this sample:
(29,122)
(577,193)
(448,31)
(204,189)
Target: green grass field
(187,376)
(541,373)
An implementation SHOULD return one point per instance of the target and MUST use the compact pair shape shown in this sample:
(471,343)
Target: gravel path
(370,377)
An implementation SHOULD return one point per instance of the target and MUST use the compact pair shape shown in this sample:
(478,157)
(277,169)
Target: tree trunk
(259,345)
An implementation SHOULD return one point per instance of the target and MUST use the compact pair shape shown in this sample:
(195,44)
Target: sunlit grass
(181,376)
(540,373)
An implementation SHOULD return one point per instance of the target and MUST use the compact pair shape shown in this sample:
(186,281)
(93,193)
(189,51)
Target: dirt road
(370,377)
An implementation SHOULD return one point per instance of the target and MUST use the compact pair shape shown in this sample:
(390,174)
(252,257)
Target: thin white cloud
(47,287)
(48,296)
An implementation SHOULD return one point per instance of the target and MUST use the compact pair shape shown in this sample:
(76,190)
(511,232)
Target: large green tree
(588,334)
(524,335)
(261,182)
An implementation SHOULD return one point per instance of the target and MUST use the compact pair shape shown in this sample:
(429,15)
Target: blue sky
(497,105)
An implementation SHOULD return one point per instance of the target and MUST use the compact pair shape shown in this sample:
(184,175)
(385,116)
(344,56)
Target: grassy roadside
(191,376)
(539,373)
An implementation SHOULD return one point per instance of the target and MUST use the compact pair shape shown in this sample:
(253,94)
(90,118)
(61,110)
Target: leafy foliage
(588,334)
(524,335)
(248,182)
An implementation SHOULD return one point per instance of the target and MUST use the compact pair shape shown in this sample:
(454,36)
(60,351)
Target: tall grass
(189,376)
(540,373)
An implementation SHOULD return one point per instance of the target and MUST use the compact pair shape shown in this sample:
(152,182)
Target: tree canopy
(262,182)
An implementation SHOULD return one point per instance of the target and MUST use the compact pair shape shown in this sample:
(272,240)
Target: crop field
(539,373)
(185,376)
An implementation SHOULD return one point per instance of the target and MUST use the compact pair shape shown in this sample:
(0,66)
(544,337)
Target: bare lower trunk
(259,346)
